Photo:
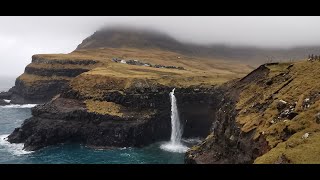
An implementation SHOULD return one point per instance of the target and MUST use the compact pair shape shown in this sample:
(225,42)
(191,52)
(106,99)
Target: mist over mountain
(132,37)
(144,38)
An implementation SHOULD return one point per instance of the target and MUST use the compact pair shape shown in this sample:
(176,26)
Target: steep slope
(270,116)
(126,37)
(47,76)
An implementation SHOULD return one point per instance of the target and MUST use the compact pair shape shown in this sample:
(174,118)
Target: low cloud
(21,37)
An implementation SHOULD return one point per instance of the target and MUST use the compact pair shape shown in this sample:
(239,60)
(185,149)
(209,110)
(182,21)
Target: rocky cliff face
(25,94)
(46,77)
(67,120)
(133,119)
(227,143)
(270,116)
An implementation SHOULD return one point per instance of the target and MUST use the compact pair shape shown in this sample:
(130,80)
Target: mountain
(147,39)
(132,38)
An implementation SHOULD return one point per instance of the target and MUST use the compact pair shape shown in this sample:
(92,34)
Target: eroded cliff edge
(270,116)
(45,77)
(128,119)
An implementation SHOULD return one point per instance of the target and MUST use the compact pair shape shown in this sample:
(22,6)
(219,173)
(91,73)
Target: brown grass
(104,107)
(32,80)
(305,83)
(199,71)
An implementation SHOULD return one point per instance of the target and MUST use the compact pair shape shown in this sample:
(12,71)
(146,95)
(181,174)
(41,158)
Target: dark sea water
(14,115)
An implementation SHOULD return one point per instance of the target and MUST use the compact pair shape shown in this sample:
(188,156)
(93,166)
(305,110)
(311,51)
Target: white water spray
(18,106)
(14,149)
(175,144)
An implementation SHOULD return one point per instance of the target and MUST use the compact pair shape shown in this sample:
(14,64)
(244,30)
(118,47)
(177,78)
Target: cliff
(46,77)
(270,116)
(119,104)
(49,74)
(123,120)
(117,97)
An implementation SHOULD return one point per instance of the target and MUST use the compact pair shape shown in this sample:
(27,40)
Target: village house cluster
(139,63)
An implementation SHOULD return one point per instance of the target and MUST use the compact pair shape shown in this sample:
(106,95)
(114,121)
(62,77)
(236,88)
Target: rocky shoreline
(143,117)
(66,119)
(146,120)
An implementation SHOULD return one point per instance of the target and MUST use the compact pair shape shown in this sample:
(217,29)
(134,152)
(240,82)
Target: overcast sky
(21,37)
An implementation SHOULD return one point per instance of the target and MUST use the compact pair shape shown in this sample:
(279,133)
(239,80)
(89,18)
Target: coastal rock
(147,120)
(46,77)
(5,95)
(3,103)
(25,94)
(67,120)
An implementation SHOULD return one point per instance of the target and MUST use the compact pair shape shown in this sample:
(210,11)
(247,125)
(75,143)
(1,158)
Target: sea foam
(17,106)
(14,149)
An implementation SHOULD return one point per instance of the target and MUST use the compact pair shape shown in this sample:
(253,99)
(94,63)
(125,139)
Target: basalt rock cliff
(270,116)
(125,120)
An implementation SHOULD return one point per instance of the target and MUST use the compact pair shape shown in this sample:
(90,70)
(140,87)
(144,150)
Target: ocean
(12,116)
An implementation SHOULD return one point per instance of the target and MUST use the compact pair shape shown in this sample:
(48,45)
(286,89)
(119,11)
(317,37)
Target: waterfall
(175,144)
(176,131)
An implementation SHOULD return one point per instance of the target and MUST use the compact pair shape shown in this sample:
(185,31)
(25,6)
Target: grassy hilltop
(118,76)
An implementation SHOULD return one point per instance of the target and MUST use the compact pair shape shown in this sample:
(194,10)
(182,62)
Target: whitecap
(125,154)
(17,106)
(14,149)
